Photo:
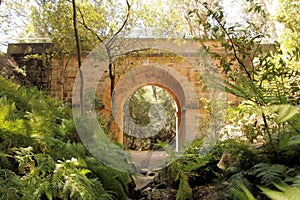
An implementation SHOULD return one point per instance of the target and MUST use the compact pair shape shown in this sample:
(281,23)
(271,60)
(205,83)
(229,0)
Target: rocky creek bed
(151,186)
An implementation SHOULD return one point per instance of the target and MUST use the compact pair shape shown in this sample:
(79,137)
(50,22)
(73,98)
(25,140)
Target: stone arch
(169,79)
(175,67)
(177,63)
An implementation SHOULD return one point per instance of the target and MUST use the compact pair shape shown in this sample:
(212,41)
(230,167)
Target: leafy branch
(108,44)
(218,18)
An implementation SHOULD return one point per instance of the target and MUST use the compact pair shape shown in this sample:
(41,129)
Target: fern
(35,187)
(10,185)
(36,131)
(8,122)
(243,194)
(296,181)
(286,112)
(112,180)
(24,156)
(294,140)
(44,164)
(70,180)
(184,189)
(284,192)
(269,173)
(77,186)
(238,179)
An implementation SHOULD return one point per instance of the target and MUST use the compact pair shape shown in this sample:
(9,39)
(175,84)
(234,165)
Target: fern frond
(184,190)
(238,179)
(296,181)
(71,181)
(284,192)
(10,184)
(269,173)
(112,180)
(243,194)
(286,112)
(294,140)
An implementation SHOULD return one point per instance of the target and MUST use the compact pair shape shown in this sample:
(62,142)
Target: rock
(9,69)
(206,192)
(159,194)
(144,172)
(226,161)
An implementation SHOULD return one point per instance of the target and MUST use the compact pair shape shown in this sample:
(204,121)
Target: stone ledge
(29,48)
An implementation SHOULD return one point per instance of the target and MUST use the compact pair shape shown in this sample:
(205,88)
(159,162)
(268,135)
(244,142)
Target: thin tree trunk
(78,55)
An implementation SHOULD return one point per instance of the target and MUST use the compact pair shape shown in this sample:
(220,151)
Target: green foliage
(112,180)
(139,106)
(244,157)
(152,110)
(269,173)
(183,170)
(11,125)
(244,123)
(288,16)
(286,112)
(40,155)
(245,194)
(296,181)
(286,143)
(284,192)
(53,19)
(237,181)
(184,189)
(265,75)
(71,181)
(10,184)
(267,78)
(289,117)
(265,174)
(192,169)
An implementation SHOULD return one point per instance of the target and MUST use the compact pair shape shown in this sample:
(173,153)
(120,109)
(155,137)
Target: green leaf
(245,194)
(184,190)
(284,192)
(285,112)
(269,173)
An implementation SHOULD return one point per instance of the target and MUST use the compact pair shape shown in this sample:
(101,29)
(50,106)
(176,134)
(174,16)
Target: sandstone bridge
(174,66)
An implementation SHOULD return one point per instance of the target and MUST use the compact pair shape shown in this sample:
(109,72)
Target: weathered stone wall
(37,71)
(177,68)
(34,59)
(64,69)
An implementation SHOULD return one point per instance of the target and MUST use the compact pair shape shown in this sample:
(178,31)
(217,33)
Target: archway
(169,79)
(150,117)
(178,72)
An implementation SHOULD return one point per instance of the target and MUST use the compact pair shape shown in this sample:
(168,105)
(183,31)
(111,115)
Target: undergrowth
(241,170)
(41,156)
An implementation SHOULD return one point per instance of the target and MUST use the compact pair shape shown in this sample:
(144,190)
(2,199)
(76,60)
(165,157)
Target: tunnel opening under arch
(178,87)
(151,116)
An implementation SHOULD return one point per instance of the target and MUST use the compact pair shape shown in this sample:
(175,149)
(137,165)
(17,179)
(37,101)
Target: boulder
(9,69)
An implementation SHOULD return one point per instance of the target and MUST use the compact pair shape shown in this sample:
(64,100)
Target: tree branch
(88,28)
(230,40)
(111,41)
